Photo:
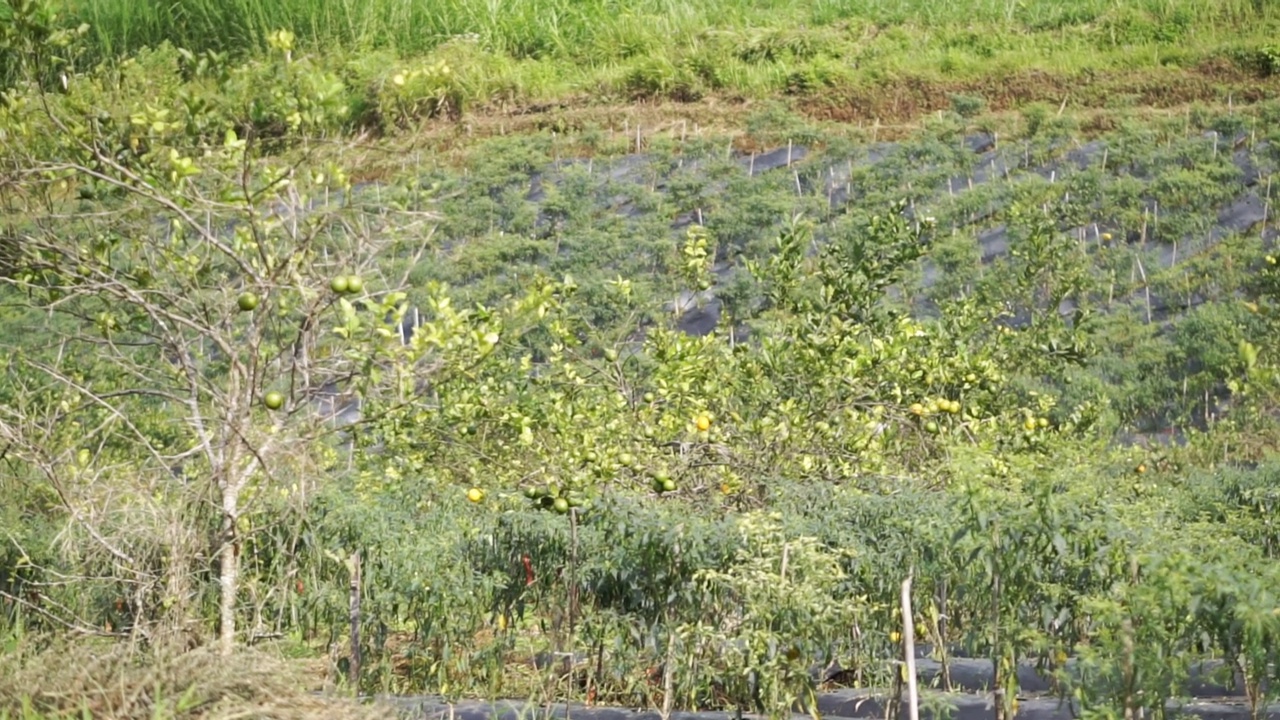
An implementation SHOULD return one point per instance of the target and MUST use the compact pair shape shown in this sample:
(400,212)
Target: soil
(859,704)
(893,107)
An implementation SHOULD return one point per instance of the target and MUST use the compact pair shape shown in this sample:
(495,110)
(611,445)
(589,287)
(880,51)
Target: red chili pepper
(528,570)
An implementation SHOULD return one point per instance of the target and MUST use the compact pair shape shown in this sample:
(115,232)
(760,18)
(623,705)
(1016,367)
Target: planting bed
(1208,694)
(862,704)
(630,195)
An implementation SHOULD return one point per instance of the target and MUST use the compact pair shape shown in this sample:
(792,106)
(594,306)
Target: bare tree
(183,341)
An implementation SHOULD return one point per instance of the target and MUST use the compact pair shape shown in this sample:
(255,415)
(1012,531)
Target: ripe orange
(702,422)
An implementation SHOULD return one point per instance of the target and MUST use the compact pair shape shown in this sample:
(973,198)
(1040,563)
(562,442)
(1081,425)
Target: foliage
(766,616)
(504,420)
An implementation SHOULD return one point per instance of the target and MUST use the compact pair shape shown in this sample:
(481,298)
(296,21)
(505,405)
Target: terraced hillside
(639,359)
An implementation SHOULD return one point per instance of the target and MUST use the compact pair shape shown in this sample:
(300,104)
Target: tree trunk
(944,651)
(669,676)
(1128,647)
(573,574)
(1130,677)
(353,670)
(230,572)
(997,679)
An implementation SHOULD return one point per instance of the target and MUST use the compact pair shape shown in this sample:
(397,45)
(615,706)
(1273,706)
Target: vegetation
(385,62)
(424,415)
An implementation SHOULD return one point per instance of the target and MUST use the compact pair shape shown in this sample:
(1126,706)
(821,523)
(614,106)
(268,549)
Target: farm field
(538,359)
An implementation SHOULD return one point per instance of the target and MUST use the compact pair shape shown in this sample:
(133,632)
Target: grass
(607,30)
(116,681)
(531,50)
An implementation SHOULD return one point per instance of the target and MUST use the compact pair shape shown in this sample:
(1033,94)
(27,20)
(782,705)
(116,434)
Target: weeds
(65,678)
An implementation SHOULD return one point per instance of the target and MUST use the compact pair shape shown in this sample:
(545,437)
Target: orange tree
(191,314)
(837,387)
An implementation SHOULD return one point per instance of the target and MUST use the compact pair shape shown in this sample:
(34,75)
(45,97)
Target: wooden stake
(909,651)
(1147,287)
(1266,206)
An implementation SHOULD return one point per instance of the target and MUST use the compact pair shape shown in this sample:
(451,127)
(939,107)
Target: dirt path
(895,108)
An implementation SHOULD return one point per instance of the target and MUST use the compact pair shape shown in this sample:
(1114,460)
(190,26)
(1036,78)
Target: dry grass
(68,678)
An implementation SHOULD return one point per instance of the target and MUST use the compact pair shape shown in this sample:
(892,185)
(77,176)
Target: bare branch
(79,627)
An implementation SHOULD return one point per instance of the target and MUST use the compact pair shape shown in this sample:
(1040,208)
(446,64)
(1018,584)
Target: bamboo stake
(909,651)
(1147,287)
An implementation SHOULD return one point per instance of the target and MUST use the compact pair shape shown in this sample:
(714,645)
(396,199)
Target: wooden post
(909,651)
(1266,207)
(1146,287)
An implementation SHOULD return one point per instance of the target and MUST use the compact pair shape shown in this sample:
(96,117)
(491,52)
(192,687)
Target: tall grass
(531,50)
(600,29)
